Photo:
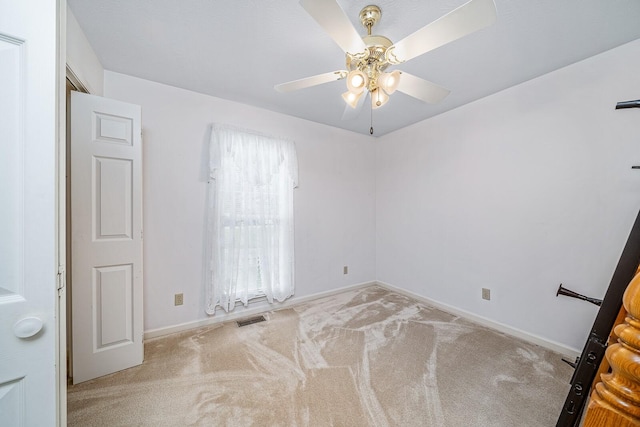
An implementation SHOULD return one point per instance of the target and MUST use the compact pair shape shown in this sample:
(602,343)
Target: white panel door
(28,144)
(106,236)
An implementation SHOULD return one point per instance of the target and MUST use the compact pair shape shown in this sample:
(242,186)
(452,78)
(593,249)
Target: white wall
(334,203)
(81,58)
(517,192)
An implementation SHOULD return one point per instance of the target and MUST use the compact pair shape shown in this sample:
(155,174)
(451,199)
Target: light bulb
(389,81)
(378,98)
(351,98)
(356,81)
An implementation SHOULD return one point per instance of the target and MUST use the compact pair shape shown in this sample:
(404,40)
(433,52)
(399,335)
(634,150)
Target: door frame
(64,72)
(79,86)
(60,191)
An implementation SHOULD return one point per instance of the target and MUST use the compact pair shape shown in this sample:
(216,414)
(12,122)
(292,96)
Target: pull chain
(371,128)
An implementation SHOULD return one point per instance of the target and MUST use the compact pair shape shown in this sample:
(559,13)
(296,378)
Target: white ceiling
(238,50)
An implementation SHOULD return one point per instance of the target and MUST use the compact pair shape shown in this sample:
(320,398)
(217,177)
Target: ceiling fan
(369,56)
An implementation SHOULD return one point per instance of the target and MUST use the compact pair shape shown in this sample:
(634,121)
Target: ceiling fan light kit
(369,56)
(366,68)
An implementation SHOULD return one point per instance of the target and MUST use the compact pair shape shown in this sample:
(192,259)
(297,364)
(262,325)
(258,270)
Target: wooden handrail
(615,401)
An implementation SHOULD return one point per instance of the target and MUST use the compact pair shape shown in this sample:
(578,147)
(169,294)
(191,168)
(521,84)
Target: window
(250,218)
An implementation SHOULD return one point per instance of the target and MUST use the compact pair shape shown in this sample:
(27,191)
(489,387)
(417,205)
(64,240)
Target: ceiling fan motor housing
(373,61)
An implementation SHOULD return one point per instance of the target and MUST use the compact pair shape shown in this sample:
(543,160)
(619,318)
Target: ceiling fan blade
(335,22)
(421,89)
(352,113)
(471,16)
(311,81)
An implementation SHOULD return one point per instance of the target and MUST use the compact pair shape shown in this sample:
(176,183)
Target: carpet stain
(367,357)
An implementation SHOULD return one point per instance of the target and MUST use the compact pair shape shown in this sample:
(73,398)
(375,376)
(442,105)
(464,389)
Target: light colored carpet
(368,357)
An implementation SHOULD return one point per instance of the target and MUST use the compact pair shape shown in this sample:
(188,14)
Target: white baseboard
(492,324)
(241,312)
(263,307)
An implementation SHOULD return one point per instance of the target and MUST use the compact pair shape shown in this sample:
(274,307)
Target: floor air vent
(250,321)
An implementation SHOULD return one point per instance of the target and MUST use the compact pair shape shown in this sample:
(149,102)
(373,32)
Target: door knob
(27,327)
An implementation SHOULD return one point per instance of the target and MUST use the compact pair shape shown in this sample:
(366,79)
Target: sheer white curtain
(250,244)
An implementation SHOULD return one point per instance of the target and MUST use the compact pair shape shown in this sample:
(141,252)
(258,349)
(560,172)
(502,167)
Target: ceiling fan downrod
(369,16)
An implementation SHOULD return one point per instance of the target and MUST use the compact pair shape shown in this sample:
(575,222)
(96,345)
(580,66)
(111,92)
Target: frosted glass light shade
(378,98)
(357,81)
(389,81)
(351,98)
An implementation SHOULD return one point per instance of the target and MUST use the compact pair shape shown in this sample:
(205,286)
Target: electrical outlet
(345,270)
(486,294)
(178,299)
